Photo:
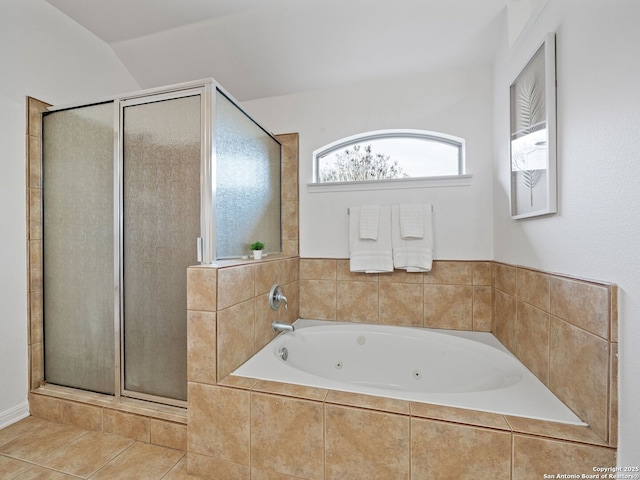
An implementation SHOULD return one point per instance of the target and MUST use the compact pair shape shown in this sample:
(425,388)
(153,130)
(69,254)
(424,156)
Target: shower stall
(136,189)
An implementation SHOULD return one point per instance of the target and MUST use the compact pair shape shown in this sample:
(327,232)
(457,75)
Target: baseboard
(14,414)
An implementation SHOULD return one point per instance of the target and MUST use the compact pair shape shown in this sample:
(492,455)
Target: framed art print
(533,135)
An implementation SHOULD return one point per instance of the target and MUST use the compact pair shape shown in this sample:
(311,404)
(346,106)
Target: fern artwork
(531,120)
(530,137)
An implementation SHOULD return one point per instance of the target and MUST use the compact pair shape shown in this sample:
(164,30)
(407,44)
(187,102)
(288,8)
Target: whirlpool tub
(470,370)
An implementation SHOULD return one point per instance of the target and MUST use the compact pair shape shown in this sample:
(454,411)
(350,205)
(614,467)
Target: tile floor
(34,448)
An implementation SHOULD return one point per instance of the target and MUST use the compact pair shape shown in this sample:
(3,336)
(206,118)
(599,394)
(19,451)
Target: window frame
(395,182)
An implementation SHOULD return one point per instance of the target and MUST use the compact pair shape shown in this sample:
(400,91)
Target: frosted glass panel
(161,176)
(247,183)
(78,260)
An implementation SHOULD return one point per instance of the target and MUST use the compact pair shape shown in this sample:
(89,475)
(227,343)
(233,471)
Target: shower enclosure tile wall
(289,193)
(35,108)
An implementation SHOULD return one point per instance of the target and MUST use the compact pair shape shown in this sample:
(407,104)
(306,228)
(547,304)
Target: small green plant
(256,246)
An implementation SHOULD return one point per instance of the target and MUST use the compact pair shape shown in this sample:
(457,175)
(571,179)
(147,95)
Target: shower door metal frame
(205,244)
(207,89)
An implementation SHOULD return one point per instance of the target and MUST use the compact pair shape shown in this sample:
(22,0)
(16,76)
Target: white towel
(412,255)
(369,220)
(411,221)
(370,256)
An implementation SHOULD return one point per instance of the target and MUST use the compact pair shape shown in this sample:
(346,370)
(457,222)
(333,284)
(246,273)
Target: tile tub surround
(229,318)
(234,422)
(273,430)
(565,331)
(454,295)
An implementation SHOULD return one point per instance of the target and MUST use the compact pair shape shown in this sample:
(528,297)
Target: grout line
(513,455)
(115,457)
(174,466)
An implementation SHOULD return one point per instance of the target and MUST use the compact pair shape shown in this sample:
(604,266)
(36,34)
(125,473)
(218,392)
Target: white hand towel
(412,221)
(369,220)
(412,255)
(370,256)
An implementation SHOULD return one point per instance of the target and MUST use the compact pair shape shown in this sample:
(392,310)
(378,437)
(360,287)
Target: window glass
(389,155)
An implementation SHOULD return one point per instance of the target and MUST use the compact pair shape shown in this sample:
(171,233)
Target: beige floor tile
(13,431)
(39,444)
(179,472)
(141,461)
(11,468)
(41,473)
(87,454)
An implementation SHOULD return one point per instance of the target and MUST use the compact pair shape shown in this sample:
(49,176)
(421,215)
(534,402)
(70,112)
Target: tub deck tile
(555,430)
(291,390)
(244,383)
(459,415)
(369,402)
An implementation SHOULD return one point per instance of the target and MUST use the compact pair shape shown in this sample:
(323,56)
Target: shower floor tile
(38,449)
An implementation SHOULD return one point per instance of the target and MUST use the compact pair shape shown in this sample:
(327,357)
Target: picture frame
(532,141)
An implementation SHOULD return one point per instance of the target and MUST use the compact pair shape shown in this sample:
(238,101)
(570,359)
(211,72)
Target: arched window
(389,155)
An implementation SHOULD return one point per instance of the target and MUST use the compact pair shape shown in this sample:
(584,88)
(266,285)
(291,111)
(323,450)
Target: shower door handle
(199,248)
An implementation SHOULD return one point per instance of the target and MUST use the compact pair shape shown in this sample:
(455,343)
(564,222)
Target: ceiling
(263,48)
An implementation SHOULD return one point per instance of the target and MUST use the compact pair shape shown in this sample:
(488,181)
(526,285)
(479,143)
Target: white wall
(457,102)
(596,233)
(47,56)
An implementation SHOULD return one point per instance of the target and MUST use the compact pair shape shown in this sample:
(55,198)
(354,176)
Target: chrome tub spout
(282,327)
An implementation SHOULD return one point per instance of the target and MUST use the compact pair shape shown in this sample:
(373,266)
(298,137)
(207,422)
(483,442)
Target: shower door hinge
(199,247)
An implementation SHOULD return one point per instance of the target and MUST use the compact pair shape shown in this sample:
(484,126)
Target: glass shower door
(78,253)
(160,228)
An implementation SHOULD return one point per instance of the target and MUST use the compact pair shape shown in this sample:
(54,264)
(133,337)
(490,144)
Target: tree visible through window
(359,164)
(390,154)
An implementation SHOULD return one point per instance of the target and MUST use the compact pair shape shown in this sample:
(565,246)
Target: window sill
(391,184)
